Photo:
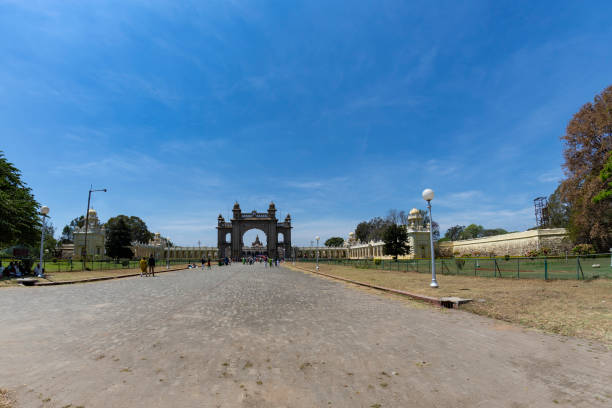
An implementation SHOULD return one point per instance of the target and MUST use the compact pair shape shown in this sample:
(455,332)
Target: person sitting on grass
(143,267)
(38,271)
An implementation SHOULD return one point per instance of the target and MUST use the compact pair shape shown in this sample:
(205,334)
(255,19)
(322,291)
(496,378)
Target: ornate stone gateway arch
(229,234)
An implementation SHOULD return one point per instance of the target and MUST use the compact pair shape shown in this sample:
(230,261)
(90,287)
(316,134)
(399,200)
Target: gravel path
(244,336)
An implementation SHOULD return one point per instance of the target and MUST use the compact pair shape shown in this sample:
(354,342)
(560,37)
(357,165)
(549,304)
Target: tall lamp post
(44,210)
(91,190)
(167,253)
(428,195)
(317,238)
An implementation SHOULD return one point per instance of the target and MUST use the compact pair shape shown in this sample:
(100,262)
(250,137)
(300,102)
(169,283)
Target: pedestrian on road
(208,263)
(203,263)
(151,264)
(143,267)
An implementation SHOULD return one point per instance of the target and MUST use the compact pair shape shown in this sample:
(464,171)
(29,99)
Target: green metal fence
(66,265)
(570,267)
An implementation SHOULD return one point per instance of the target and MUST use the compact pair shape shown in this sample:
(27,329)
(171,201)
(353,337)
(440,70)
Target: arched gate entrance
(242,222)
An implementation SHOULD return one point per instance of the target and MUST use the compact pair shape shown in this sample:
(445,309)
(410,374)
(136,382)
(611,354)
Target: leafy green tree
(334,242)
(558,210)
(395,238)
(454,233)
(50,246)
(605,175)
(588,145)
(118,239)
(19,218)
(472,231)
(68,231)
(362,232)
(493,231)
(138,228)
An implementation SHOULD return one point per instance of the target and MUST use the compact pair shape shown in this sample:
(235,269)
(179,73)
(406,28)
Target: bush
(507,257)
(583,249)
(460,263)
(377,261)
(125,263)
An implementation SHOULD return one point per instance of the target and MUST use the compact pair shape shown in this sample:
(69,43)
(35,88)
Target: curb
(102,278)
(443,302)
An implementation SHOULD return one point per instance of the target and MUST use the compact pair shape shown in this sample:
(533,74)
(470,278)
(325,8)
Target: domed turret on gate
(272,210)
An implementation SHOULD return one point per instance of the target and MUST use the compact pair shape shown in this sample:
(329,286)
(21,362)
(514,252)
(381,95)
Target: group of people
(13,269)
(261,259)
(17,269)
(147,266)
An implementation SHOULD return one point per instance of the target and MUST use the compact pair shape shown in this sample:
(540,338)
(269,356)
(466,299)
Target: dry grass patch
(6,400)
(567,307)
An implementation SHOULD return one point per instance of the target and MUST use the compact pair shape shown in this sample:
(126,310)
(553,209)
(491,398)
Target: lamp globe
(428,194)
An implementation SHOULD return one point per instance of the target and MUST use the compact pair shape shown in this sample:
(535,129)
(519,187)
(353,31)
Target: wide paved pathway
(245,336)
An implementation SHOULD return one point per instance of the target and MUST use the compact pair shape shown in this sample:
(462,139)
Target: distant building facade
(96,235)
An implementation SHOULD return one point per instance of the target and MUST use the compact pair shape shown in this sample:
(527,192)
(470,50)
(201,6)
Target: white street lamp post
(44,210)
(91,190)
(317,238)
(428,195)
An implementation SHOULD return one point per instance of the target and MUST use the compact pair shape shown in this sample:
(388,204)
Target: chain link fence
(565,267)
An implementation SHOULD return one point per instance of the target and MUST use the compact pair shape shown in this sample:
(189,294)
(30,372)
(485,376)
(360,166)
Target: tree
(605,175)
(19,218)
(362,231)
(397,217)
(472,231)
(588,143)
(118,239)
(395,238)
(425,224)
(334,242)
(558,210)
(454,233)
(493,231)
(68,231)
(138,228)
(50,242)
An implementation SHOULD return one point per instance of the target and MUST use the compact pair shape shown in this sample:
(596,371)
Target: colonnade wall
(192,253)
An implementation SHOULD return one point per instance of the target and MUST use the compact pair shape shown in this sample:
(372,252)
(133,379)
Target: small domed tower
(236,210)
(414,219)
(272,210)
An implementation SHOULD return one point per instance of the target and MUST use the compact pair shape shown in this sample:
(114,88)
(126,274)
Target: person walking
(151,264)
(143,267)
(208,263)
(203,263)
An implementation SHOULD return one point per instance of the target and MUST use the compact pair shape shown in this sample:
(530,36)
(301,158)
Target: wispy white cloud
(315,184)
(550,176)
(186,145)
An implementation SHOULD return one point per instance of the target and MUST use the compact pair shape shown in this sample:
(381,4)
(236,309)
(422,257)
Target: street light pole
(428,195)
(44,210)
(317,238)
(167,253)
(91,190)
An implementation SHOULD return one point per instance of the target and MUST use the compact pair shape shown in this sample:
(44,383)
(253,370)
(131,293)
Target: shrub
(460,263)
(507,257)
(377,261)
(583,249)
(125,263)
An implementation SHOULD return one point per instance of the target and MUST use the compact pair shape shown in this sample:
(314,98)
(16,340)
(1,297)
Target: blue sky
(337,111)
